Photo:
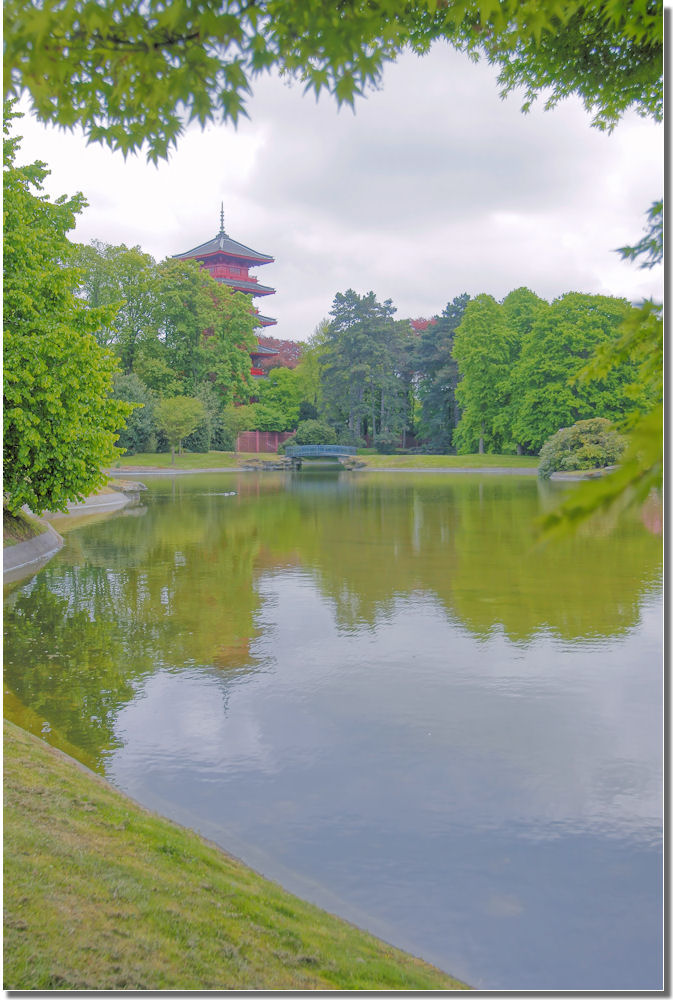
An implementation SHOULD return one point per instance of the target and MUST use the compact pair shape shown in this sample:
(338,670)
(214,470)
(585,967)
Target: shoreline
(27,558)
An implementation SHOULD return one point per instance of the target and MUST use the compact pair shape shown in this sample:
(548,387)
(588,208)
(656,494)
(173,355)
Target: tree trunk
(519,449)
(481,439)
(172,454)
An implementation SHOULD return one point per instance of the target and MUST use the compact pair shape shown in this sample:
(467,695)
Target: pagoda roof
(260,350)
(223,244)
(266,321)
(246,286)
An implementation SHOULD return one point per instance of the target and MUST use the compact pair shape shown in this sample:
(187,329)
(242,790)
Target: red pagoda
(229,263)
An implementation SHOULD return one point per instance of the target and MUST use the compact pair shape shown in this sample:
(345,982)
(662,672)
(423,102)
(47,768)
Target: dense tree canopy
(131,73)
(366,367)
(126,279)
(60,422)
(437,375)
(563,337)
(520,363)
(482,348)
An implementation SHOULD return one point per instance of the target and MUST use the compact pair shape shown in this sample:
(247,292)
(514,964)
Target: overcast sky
(432,188)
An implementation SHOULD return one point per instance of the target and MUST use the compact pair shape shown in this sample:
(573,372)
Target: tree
(177,417)
(438,375)
(363,366)
(130,73)
(482,349)
(60,423)
(562,339)
(139,433)
(227,345)
(206,331)
(640,341)
(309,369)
(187,310)
(520,309)
(279,397)
(127,279)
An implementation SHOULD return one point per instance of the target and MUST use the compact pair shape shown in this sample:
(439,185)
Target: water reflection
(377,691)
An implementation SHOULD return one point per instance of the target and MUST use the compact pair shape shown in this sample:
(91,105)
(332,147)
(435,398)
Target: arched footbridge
(319,454)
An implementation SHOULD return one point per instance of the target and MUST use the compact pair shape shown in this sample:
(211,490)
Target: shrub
(386,444)
(588,444)
(314,432)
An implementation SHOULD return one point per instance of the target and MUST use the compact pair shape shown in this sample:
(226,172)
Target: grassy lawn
(20,527)
(231,460)
(451,461)
(103,895)
(190,460)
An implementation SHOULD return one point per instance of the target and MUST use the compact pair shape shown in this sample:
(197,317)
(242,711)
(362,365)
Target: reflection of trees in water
(177,587)
(470,543)
(70,664)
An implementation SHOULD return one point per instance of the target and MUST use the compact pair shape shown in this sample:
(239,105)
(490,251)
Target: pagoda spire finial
(222,232)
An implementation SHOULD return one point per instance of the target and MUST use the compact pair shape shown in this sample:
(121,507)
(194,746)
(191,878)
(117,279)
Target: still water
(374,689)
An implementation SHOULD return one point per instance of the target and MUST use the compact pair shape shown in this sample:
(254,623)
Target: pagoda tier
(256,356)
(228,262)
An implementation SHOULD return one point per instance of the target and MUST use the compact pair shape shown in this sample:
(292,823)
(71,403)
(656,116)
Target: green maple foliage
(131,73)
(60,422)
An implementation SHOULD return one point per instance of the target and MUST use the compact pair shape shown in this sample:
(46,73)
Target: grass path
(102,895)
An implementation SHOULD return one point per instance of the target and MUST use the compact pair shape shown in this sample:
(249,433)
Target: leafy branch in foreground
(131,73)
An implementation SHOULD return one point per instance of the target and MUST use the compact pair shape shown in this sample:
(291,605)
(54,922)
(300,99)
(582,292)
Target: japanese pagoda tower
(229,263)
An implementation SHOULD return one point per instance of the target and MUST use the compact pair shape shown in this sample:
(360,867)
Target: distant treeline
(480,376)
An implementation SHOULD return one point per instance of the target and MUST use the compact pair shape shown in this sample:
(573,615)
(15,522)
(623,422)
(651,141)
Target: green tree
(138,435)
(309,369)
(206,332)
(640,341)
(365,373)
(227,345)
(482,349)
(130,73)
(438,376)
(562,339)
(177,417)
(127,279)
(520,309)
(60,423)
(188,308)
(279,397)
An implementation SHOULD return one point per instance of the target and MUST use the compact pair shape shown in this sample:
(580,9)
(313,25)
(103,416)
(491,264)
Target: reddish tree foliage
(421,324)
(289,353)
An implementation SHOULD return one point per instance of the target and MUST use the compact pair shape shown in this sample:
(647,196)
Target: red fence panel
(261,442)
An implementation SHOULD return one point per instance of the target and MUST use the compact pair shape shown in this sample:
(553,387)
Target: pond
(378,691)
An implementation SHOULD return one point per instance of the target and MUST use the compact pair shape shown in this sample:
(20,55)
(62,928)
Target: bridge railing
(318,450)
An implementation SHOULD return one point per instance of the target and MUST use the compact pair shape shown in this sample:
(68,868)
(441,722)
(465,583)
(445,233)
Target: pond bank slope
(100,894)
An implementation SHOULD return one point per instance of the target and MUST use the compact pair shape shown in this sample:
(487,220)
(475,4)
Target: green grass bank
(233,460)
(20,527)
(102,895)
